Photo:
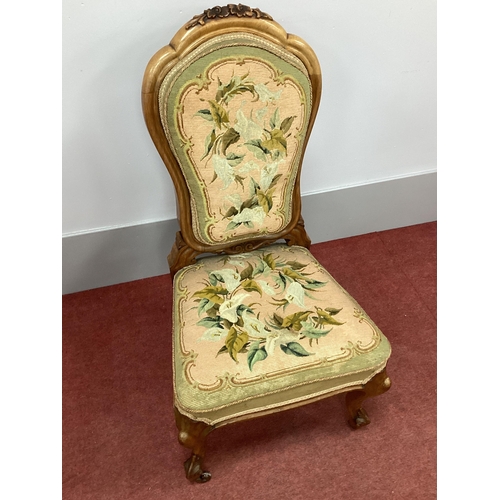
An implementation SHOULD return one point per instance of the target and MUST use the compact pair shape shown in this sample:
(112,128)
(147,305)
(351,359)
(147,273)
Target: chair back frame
(201,29)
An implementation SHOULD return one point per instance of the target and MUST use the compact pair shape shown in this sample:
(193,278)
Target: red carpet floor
(119,436)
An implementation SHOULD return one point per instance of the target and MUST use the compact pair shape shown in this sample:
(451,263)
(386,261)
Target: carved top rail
(231,9)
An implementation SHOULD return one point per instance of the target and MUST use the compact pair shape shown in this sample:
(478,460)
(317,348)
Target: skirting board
(112,256)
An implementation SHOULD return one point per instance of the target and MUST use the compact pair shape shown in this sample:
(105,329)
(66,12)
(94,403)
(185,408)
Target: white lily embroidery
(259,114)
(253,326)
(248,167)
(265,95)
(214,334)
(223,170)
(266,287)
(279,337)
(246,127)
(234,199)
(228,309)
(295,294)
(267,174)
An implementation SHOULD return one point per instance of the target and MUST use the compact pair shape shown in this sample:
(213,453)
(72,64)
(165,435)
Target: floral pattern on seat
(227,308)
(264,322)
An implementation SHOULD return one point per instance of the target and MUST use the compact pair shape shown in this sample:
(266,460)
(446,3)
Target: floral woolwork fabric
(262,324)
(237,126)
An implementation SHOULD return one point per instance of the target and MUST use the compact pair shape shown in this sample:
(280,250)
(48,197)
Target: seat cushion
(266,329)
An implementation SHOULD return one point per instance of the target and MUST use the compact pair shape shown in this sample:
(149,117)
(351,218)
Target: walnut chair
(259,326)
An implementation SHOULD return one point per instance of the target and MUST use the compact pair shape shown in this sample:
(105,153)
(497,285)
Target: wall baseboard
(108,257)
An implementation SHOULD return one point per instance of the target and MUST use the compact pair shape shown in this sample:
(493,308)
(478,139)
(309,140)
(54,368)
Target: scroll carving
(231,9)
(298,235)
(181,255)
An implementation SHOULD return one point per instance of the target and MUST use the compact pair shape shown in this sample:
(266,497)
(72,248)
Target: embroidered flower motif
(229,308)
(265,286)
(280,337)
(265,95)
(267,174)
(231,318)
(253,326)
(224,170)
(230,277)
(295,294)
(246,127)
(214,334)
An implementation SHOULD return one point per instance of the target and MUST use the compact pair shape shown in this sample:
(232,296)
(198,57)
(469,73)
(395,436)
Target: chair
(259,326)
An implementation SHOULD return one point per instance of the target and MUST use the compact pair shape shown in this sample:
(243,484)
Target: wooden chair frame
(212,22)
(217,21)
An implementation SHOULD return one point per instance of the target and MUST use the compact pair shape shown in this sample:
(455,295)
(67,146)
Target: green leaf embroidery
(297,266)
(219,114)
(278,319)
(275,180)
(232,211)
(212,293)
(230,137)
(247,272)
(293,321)
(295,349)
(292,274)
(269,260)
(313,284)
(237,85)
(235,342)
(205,113)
(325,318)
(273,122)
(209,143)
(249,203)
(252,286)
(332,310)
(255,355)
(286,124)
(210,322)
(276,142)
(255,146)
(224,349)
(313,333)
(234,159)
(280,281)
(265,200)
(254,186)
(240,180)
(204,305)
(213,311)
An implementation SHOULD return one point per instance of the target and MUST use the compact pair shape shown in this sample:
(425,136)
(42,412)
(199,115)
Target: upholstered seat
(261,326)
(257,331)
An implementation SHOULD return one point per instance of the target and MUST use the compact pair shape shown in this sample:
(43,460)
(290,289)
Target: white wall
(377,118)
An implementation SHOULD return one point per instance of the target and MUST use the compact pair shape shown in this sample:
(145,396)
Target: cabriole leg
(192,435)
(358,417)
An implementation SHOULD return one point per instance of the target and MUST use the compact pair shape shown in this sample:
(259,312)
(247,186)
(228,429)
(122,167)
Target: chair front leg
(377,385)
(192,435)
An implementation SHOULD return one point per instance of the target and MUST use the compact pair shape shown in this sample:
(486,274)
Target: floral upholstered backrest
(235,112)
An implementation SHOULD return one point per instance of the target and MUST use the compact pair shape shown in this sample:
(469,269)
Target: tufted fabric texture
(257,331)
(235,113)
